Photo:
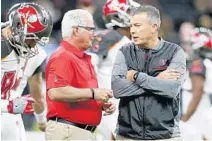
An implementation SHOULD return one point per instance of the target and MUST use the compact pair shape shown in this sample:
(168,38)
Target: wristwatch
(135,76)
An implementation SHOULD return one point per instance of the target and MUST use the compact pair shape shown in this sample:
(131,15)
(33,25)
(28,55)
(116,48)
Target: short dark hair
(153,13)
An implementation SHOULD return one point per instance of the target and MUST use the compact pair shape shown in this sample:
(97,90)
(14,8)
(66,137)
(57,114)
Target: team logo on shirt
(163,61)
(55,79)
(162,65)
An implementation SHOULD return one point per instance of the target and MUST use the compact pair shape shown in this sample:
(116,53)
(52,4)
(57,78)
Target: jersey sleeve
(197,67)
(59,73)
(108,39)
(41,68)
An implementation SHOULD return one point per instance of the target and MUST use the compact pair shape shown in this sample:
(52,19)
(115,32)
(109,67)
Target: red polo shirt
(69,66)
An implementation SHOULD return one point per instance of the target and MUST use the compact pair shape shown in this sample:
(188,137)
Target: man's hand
(103,94)
(130,75)
(169,74)
(184,118)
(109,108)
(21,105)
(42,126)
(41,120)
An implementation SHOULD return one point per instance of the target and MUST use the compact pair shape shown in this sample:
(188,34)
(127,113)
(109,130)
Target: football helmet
(201,41)
(29,22)
(116,12)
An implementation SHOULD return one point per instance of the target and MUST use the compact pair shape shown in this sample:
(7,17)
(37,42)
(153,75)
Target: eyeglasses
(91,29)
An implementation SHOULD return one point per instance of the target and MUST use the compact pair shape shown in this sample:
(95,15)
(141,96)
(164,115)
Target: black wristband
(93,94)
(135,76)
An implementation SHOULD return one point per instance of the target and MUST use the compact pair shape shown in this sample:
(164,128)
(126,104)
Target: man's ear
(154,28)
(75,31)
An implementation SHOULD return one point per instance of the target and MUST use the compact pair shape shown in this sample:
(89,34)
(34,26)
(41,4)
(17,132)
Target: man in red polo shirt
(74,101)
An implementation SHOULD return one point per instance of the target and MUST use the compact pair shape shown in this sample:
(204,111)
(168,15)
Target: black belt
(83,126)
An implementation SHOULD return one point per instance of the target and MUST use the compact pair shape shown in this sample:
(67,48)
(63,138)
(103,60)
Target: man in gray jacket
(147,78)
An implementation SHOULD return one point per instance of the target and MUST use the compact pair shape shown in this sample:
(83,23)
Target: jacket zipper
(146,71)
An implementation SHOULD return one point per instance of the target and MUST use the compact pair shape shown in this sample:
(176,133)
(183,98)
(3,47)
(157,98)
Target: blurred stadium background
(173,14)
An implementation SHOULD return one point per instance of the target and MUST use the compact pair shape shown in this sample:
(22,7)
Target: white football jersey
(208,82)
(12,68)
(15,72)
(32,64)
(194,127)
(208,78)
